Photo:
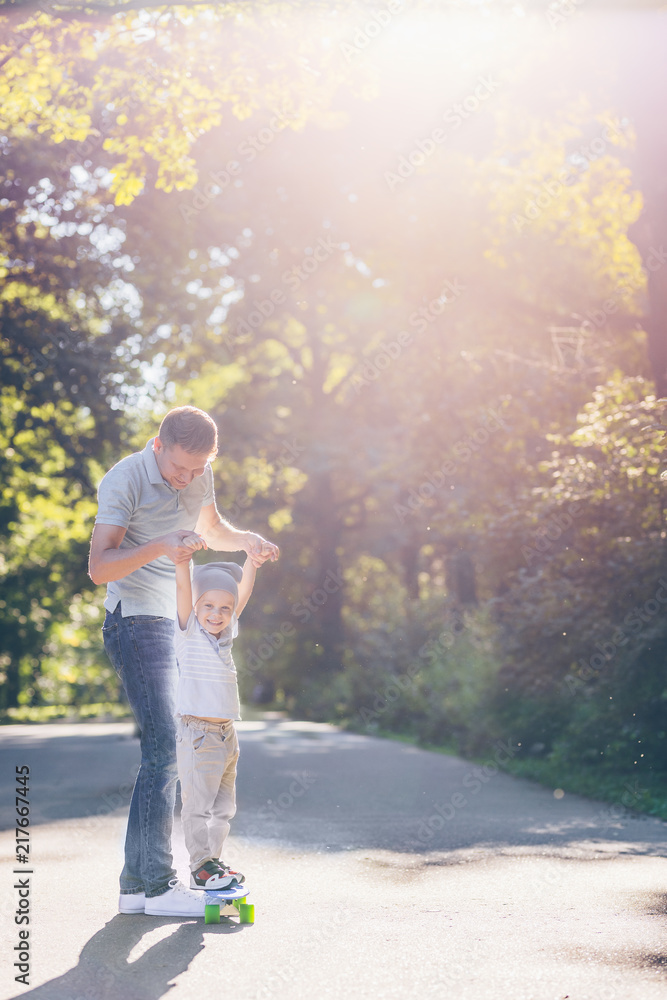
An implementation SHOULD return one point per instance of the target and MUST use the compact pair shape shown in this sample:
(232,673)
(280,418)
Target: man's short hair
(190,427)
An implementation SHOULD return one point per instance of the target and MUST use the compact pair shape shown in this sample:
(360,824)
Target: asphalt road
(377,870)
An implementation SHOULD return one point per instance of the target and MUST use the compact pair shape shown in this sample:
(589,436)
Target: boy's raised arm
(246,584)
(183,593)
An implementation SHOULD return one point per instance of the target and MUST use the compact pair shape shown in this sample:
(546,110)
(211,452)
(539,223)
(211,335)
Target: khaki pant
(207,753)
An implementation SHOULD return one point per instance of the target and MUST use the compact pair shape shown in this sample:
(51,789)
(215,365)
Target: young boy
(207,704)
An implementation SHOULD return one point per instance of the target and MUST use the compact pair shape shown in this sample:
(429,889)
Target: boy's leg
(141,649)
(224,805)
(202,755)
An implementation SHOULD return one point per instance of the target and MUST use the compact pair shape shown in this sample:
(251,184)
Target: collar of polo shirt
(150,461)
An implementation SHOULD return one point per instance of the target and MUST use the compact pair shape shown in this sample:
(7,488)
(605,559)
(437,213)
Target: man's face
(177,466)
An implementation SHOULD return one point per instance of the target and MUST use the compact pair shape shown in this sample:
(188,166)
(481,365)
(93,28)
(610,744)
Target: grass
(644,793)
(106,711)
(102,711)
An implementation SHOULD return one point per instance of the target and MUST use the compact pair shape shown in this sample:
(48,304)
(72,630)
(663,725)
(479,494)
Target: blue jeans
(141,649)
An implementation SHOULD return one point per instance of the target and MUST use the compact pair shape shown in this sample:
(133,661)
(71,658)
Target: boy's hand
(259,550)
(179,545)
(195,541)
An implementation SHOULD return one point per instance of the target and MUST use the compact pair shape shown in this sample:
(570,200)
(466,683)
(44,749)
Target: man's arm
(246,584)
(108,562)
(220,535)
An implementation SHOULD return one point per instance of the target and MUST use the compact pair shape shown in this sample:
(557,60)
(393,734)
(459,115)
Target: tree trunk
(460,576)
(642,53)
(327,595)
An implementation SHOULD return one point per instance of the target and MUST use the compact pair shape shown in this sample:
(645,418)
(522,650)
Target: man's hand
(258,549)
(179,545)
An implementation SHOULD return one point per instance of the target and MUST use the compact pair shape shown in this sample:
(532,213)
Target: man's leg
(141,649)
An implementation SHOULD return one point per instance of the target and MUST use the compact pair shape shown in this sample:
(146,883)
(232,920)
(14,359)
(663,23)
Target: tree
(388,304)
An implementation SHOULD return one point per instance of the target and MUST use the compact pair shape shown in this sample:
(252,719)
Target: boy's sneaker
(212,875)
(177,901)
(237,875)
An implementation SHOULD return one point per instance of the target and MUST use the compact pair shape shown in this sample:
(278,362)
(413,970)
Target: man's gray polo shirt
(133,495)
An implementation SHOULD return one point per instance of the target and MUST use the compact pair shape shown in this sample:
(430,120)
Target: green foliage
(582,624)
(640,790)
(103,711)
(394,678)
(430,387)
(64,380)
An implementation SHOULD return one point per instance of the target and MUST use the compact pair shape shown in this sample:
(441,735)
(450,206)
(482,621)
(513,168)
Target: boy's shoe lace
(237,875)
(212,875)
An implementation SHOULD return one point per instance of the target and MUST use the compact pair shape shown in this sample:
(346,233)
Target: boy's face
(214,610)
(177,466)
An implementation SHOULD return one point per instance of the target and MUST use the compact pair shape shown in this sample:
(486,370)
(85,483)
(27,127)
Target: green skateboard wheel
(212,913)
(246,913)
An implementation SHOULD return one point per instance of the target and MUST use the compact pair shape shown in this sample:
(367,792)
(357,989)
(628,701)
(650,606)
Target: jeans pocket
(198,741)
(109,624)
(111,640)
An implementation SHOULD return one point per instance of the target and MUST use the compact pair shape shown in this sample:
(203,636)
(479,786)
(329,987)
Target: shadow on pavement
(104,972)
(652,904)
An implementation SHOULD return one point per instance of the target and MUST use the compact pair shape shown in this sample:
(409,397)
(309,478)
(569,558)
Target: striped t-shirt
(206,672)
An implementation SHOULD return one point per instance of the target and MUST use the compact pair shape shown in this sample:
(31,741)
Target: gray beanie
(216,576)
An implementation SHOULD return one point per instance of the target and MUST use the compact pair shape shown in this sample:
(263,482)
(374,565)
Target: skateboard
(232,900)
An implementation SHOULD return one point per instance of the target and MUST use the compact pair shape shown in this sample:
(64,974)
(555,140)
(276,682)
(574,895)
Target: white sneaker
(177,901)
(131,902)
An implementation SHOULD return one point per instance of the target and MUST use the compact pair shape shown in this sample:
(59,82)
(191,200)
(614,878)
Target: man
(155,506)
